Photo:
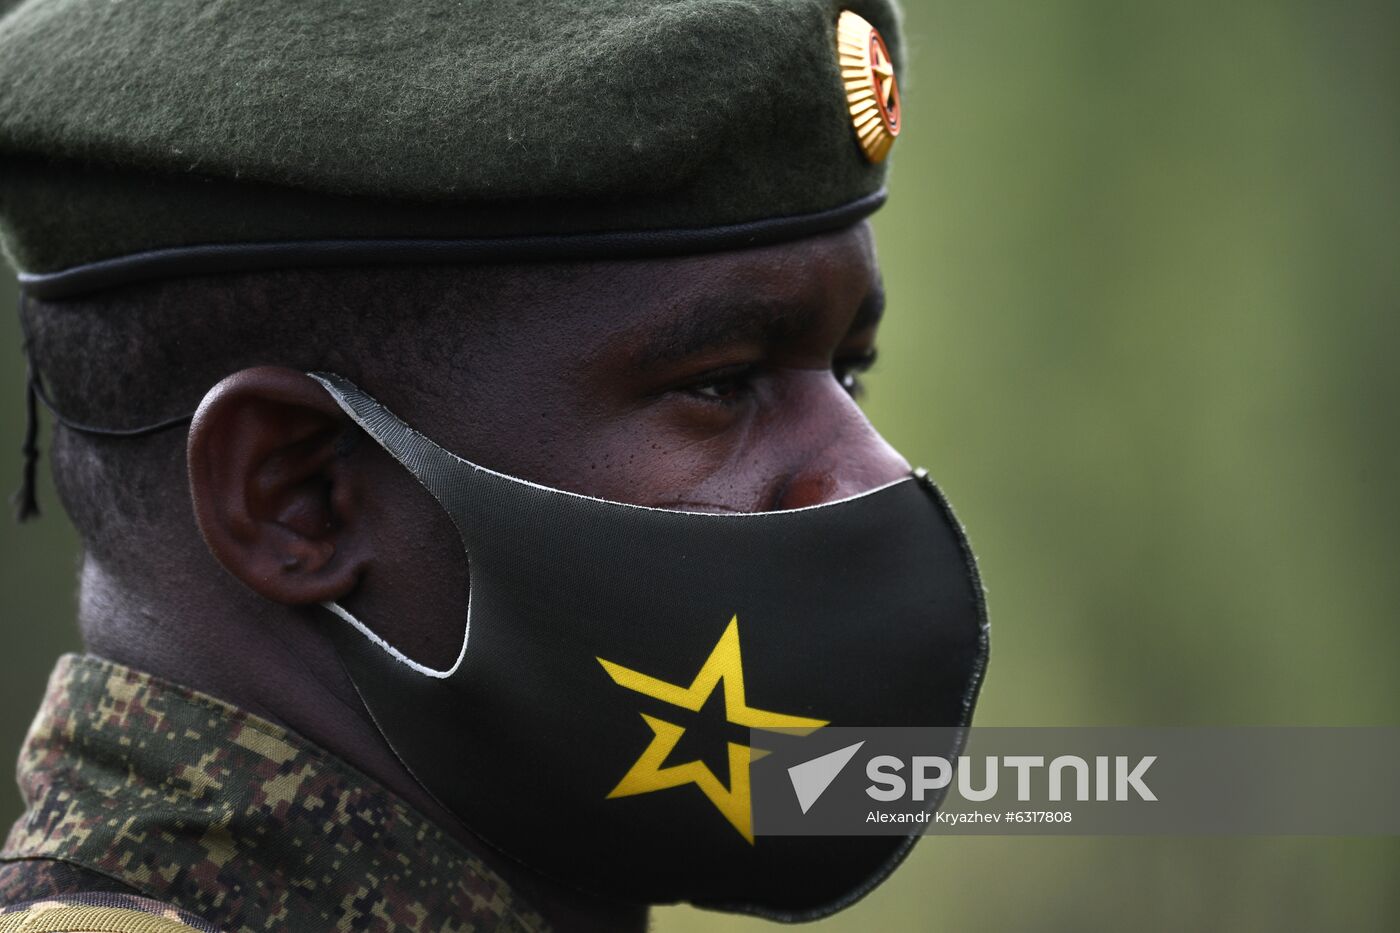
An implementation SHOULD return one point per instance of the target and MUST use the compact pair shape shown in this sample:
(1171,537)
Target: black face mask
(595,725)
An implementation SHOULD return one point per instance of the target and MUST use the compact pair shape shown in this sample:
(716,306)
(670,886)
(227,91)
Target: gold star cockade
(872,93)
(651,773)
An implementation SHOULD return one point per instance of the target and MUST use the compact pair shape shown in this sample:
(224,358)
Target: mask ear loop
(26,498)
(347,616)
(426,462)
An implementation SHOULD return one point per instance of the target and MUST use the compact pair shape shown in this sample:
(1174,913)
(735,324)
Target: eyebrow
(717,322)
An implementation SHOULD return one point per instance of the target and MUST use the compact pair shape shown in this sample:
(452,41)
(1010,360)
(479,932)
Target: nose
(844,455)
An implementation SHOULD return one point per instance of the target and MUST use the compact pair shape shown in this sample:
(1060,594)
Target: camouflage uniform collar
(204,806)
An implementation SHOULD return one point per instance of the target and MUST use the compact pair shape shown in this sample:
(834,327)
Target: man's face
(720,382)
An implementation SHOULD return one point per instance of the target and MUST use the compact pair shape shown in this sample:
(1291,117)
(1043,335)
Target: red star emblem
(882,75)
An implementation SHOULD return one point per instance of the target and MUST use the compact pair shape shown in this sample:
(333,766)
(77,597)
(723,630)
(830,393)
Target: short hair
(146,353)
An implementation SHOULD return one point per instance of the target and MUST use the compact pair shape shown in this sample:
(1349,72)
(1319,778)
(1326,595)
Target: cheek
(691,455)
(653,458)
(656,452)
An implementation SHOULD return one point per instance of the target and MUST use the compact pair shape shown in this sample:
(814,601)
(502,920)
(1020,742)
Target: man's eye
(725,388)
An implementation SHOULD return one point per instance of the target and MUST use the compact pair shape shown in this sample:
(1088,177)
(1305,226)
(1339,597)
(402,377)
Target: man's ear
(274,501)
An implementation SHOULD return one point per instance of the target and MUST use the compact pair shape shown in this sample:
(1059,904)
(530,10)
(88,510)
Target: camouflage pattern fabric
(99,912)
(35,879)
(207,808)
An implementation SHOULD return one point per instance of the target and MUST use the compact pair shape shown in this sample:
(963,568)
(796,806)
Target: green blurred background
(1144,270)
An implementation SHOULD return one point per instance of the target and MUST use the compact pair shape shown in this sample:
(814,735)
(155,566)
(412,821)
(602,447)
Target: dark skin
(719,382)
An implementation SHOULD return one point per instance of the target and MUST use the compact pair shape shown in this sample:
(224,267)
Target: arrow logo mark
(811,778)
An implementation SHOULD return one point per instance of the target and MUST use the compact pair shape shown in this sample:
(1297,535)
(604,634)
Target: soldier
(365,329)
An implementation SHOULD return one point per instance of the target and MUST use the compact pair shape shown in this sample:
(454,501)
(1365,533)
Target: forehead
(830,261)
(718,292)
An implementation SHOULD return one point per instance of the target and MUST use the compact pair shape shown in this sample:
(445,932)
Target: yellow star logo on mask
(650,773)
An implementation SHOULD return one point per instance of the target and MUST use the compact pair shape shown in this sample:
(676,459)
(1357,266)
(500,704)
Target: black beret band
(247,257)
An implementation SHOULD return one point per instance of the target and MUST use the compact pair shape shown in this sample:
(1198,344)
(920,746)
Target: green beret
(146,138)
